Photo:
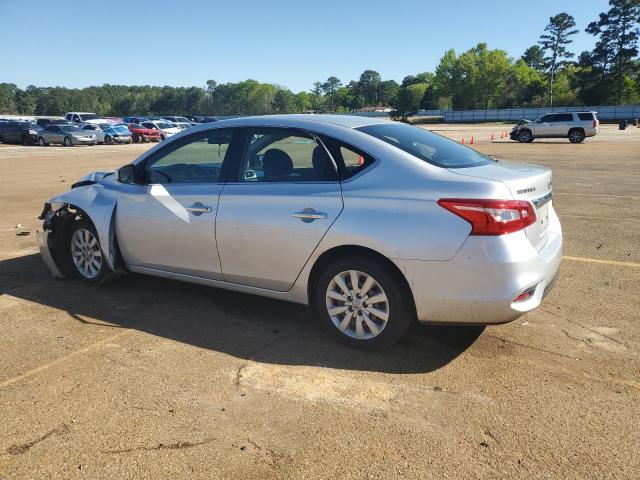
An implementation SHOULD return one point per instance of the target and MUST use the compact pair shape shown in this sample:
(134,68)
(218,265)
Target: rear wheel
(136,138)
(67,142)
(363,302)
(576,135)
(108,140)
(525,136)
(41,142)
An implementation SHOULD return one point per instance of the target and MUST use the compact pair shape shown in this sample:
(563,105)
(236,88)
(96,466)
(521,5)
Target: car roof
(293,120)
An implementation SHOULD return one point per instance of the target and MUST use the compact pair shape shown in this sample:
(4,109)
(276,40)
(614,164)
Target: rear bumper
(479,284)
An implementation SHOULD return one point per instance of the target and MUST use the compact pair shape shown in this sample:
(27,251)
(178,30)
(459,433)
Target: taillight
(492,217)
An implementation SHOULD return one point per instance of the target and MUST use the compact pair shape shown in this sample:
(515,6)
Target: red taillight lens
(492,217)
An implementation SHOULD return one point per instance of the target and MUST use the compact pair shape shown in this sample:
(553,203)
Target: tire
(136,138)
(67,142)
(525,136)
(41,142)
(350,317)
(108,140)
(85,256)
(576,135)
(24,140)
(1,139)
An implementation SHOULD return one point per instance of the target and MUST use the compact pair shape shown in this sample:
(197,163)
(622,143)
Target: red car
(143,134)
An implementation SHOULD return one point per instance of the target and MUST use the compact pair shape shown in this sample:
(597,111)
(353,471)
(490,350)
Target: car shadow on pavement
(242,325)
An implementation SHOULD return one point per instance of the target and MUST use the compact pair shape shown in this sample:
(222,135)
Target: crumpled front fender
(99,204)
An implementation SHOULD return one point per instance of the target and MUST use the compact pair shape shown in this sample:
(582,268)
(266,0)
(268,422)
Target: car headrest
(321,162)
(276,163)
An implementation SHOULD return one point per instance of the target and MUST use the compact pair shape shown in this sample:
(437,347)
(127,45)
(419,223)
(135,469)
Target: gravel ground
(150,378)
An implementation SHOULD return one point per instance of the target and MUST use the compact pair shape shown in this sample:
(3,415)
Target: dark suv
(22,132)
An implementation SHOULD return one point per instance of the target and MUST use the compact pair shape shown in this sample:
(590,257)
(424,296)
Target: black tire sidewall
(402,312)
(67,142)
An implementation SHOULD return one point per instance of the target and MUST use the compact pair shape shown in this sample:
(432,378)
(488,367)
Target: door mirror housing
(127,174)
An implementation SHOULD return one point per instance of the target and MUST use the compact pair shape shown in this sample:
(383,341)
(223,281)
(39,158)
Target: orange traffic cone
(471,142)
(462,141)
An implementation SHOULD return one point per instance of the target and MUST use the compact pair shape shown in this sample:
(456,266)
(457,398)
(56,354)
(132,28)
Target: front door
(168,223)
(284,197)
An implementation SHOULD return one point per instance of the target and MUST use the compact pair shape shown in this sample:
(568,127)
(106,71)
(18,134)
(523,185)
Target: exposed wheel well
(350,251)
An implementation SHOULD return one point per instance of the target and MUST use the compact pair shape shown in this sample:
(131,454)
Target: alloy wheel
(85,253)
(357,304)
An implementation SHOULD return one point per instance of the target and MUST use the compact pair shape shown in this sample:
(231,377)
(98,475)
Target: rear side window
(585,116)
(430,147)
(349,159)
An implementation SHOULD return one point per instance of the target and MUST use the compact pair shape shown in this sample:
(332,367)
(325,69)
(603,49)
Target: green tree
(8,98)
(410,97)
(283,101)
(534,57)
(617,31)
(330,87)
(368,84)
(559,29)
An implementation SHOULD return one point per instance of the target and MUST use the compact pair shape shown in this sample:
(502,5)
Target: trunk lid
(525,182)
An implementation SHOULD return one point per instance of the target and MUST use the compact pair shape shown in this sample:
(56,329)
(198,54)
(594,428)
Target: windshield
(164,125)
(430,147)
(182,119)
(121,129)
(88,116)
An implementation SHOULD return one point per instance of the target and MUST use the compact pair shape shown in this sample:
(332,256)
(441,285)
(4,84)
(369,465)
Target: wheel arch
(97,205)
(352,250)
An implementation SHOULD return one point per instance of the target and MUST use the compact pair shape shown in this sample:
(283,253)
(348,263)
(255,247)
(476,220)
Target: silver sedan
(374,223)
(67,135)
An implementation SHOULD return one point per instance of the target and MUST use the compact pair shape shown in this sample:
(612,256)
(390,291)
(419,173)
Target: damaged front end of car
(87,199)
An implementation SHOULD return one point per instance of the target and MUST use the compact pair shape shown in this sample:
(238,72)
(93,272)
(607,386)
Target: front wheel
(67,142)
(525,136)
(86,256)
(108,140)
(41,142)
(364,302)
(136,138)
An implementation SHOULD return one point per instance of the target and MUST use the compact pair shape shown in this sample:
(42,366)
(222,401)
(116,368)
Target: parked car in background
(575,126)
(199,119)
(67,135)
(117,134)
(165,128)
(128,120)
(113,120)
(46,121)
(373,222)
(174,119)
(182,125)
(140,133)
(25,133)
(83,117)
(98,129)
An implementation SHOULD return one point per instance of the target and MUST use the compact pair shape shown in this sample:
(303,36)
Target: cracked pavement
(150,378)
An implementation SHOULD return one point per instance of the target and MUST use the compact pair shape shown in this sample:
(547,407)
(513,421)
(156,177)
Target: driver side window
(199,160)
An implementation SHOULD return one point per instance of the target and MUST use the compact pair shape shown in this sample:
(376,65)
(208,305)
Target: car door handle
(198,209)
(309,215)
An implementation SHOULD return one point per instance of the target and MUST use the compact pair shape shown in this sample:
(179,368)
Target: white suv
(83,117)
(575,126)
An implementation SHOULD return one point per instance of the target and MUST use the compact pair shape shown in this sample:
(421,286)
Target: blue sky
(291,43)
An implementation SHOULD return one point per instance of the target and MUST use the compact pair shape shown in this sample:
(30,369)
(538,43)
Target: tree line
(547,74)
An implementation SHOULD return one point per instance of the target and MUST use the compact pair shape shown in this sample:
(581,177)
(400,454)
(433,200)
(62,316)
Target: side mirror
(127,174)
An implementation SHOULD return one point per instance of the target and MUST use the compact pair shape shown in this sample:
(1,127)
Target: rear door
(167,223)
(284,197)
(562,122)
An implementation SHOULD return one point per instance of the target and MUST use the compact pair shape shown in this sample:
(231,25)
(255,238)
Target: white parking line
(604,262)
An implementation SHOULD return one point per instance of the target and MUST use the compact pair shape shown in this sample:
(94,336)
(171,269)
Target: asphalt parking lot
(151,378)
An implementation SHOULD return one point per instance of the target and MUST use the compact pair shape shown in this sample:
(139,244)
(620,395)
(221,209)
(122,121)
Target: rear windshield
(70,128)
(430,147)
